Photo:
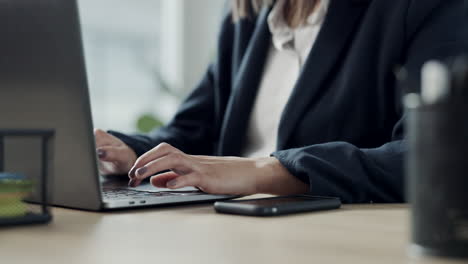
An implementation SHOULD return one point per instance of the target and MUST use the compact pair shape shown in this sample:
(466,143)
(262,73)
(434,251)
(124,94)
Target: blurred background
(144,56)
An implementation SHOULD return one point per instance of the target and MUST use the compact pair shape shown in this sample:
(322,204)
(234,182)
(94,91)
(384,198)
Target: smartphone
(280,205)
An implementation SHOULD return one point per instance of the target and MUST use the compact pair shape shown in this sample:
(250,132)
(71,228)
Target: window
(144,56)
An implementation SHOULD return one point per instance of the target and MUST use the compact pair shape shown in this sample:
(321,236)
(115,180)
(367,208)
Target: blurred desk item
(15,188)
(196,234)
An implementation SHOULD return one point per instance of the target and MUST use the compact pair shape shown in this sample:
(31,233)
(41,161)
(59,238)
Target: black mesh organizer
(24,195)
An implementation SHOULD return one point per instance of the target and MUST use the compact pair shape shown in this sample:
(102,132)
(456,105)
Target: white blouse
(288,52)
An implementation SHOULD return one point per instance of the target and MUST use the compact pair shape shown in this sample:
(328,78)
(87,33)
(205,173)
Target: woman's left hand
(216,175)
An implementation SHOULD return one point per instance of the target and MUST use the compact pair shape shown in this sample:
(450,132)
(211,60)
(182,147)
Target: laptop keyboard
(115,193)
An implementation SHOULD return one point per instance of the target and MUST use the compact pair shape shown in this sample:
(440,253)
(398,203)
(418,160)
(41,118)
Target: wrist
(264,180)
(274,178)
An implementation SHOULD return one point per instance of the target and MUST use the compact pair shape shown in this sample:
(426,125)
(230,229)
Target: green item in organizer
(13,188)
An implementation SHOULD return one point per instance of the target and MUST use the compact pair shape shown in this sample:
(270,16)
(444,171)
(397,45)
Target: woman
(302,98)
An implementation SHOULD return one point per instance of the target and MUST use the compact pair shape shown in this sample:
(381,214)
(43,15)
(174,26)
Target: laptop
(43,85)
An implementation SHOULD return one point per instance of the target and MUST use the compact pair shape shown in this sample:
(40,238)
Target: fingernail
(131,173)
(171,184)
(141,171)
(132,183)
(101,153)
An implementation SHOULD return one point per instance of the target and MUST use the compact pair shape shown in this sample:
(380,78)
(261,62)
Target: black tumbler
(437,176)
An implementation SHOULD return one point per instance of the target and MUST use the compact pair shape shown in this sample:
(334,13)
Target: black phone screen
(279,200)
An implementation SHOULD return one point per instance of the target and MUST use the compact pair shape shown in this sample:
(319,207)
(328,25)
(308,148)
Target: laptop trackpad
(146,187)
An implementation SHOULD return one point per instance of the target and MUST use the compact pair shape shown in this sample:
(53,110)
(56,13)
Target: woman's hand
(216,175)
(115,157)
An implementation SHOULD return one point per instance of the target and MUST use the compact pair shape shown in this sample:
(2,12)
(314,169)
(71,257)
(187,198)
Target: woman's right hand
(115,157)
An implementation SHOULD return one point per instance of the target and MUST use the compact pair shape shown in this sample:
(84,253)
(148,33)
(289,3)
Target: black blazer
(341,130)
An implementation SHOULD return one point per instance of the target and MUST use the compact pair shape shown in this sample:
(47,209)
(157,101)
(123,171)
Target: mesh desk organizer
(24,198)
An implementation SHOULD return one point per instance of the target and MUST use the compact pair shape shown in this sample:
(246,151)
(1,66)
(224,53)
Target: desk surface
(196,234)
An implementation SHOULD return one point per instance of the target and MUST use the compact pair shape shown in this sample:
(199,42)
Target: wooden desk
(373,234)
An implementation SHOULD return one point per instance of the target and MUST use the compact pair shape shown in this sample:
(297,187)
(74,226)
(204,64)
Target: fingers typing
(176,162)
(159,151)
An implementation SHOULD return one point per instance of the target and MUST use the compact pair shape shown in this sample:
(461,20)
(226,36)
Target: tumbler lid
(435,82)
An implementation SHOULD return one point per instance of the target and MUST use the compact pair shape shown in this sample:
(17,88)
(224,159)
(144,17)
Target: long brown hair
(295,11)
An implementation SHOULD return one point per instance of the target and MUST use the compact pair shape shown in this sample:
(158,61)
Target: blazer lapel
(341,21)
(244,89)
